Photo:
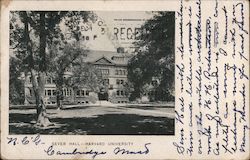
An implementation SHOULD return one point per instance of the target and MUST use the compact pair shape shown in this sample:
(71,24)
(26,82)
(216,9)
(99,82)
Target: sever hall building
(112,65)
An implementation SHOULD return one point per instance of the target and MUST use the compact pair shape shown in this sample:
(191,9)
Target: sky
(114,29)
(102,35)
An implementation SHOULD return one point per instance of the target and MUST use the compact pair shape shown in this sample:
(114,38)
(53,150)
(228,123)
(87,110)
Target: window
(118,81)
(105,81)
(29,79)
(48,80)
(68,94)
(121,81)
(30,92)
(78,92)
(120,72)
(81,93)
(105,71)
(64,92)
(111,86)
(87,93)
(120,93)
(49,92)
(54,92)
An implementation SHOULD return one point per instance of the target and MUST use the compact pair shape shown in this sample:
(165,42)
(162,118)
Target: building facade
(113,67)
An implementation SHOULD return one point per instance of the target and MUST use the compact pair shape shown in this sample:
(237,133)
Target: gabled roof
(106,57)
(103,60)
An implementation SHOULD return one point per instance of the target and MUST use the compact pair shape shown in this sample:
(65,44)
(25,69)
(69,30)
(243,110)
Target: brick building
(112,65)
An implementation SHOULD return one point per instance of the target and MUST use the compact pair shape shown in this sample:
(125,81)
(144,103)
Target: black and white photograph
(92,72)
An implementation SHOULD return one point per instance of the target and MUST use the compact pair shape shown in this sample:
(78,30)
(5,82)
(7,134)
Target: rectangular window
(118,93)
(116,72)
(118,81)
(67,92)
(48,80)
(29,79)
(54,92)
(31,93)
(78,92)
(120,72)
(87,93)
(82,92)
(111,86)
(122,81)
(105,71)
(64,92)
(49,92)
(122,94)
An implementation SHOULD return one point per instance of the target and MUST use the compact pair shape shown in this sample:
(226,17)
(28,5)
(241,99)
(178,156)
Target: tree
(155,57)
(16,86)
(86,75)
(34,35)
(70,54)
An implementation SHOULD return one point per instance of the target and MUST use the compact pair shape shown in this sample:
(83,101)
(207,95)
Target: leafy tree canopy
(155,56)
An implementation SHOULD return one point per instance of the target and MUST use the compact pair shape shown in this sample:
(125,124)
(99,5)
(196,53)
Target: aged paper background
(211,83)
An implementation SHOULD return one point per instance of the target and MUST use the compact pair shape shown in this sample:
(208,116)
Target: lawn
(107,122)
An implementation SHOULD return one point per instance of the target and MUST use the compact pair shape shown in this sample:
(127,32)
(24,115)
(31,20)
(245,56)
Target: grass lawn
(109,124)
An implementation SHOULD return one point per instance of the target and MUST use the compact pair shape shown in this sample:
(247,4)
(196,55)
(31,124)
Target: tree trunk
(42,118)
(59,86)
(58,97)
(72,96)
(38,84)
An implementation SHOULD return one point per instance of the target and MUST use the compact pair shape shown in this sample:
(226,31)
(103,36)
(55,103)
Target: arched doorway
(103,95)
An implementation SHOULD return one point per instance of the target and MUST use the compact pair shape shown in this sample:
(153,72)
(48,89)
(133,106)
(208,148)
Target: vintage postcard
(125,79)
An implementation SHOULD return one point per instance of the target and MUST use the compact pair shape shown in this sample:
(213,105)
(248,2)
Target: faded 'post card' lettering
(125,79)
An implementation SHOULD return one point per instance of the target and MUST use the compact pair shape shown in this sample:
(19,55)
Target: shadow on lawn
(109,124)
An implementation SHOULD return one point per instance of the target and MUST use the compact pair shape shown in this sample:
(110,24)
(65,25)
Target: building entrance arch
(103,95)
